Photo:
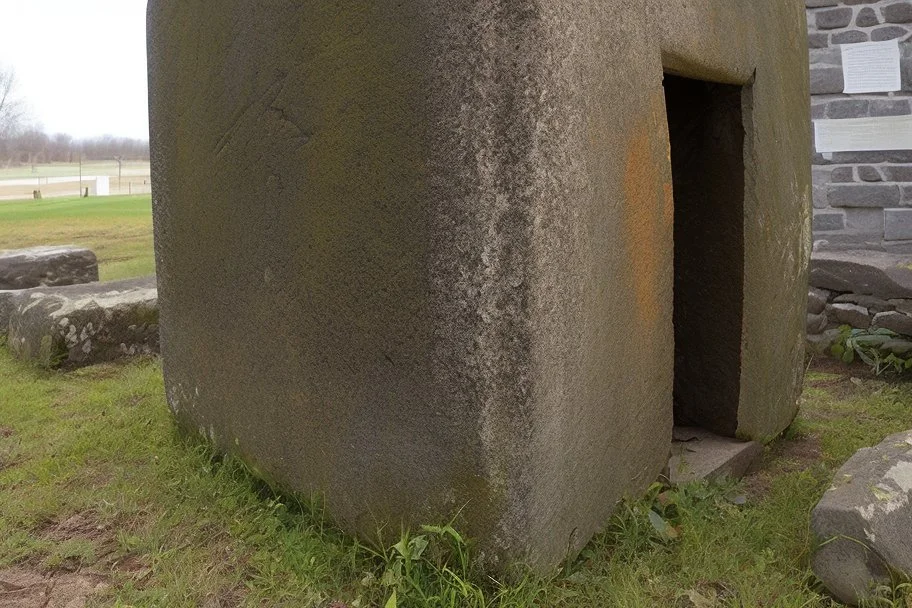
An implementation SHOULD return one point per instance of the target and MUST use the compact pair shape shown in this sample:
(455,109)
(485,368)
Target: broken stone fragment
(47,266)
(84,324)
(885,275)
(862,522)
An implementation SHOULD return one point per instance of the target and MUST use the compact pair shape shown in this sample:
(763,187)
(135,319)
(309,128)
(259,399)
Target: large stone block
(862,522)
(51,266)
(863,272)
(83,324)
(400,280)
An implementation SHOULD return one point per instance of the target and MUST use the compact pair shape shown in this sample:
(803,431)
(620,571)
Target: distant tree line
(21,143)
(32,145)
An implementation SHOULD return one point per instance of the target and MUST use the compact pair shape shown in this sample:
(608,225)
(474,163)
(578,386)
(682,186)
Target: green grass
(174,526)
(95,477)
(117,228)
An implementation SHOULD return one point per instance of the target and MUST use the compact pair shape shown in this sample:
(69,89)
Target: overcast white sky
(80,64)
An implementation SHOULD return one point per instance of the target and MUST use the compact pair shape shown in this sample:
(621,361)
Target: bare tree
(12,110)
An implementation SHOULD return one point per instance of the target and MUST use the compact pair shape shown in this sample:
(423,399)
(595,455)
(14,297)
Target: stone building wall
(861,199)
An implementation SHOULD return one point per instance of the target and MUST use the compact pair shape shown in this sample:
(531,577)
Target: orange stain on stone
(648,215)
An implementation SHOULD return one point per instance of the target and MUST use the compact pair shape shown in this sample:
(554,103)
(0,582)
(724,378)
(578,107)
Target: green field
(117,228)
(95,481)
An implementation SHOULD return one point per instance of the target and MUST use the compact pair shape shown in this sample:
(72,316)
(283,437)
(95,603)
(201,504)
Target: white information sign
(871,67)
(863,134)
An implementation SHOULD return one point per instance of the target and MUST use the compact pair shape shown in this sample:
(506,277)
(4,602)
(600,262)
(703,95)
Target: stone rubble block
(850,314)
(877,273)
(872,303)
(85,324)
(894,321)
(817,300)
(898,347)
(862,522)
(821,343)
(904,306)
(47,266)
(816,323)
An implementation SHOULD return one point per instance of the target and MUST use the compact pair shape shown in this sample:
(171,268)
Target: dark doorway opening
(706,129)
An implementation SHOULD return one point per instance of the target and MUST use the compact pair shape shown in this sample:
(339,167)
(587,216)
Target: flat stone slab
(47,266)
(863,523)
(84,324)
(697,454)
(885,275)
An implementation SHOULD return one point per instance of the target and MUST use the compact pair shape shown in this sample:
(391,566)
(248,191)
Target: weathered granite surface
(50,266)
(84,324)
(862,523)
(408,277)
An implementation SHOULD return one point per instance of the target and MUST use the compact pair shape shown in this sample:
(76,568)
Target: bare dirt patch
(783,456)
(27,588)
(5,432)
(83,526)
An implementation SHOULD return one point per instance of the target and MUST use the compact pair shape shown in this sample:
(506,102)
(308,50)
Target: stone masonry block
(867,17)
(834,18)
(842,175)
(863,195)
(898,224)
(827,221)
(890,107)
(865,220)
(818,41)
(820,3)
(849,37)
(888,33)
(868,173)
(898,173)
(848,108)
(898,12)
(819,196)
(826,80)
(827,56)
